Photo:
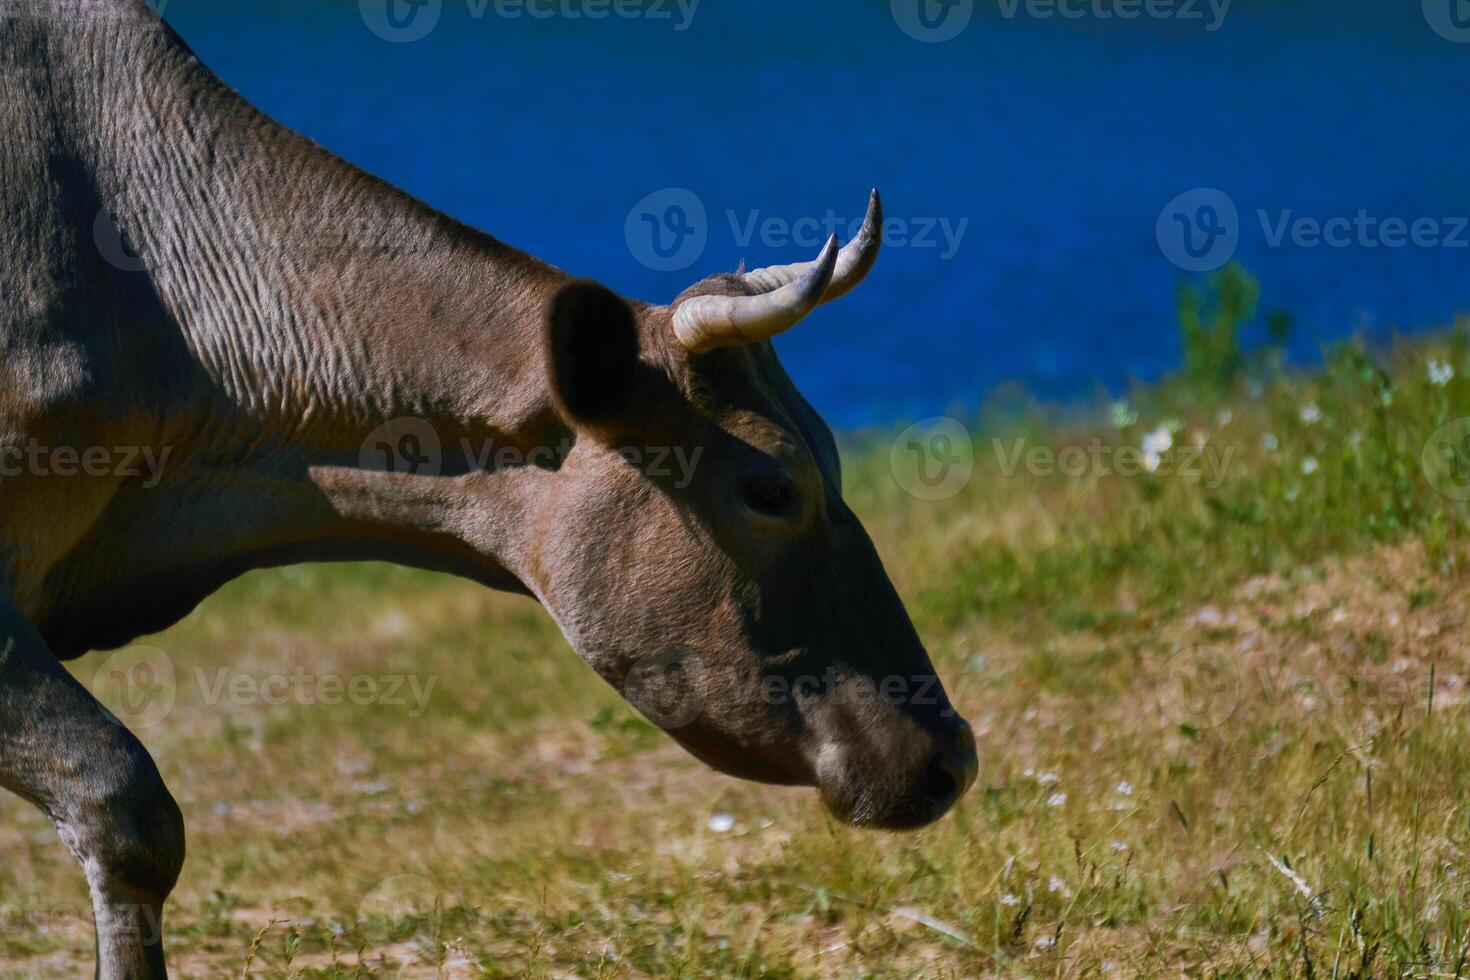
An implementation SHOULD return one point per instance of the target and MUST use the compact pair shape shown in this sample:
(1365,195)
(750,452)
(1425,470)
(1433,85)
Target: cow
(182,275)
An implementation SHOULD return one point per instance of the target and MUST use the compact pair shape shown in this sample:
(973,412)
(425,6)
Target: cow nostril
(950,775)
(943,785)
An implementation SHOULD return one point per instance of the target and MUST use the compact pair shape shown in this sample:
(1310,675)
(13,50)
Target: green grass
(1222,732)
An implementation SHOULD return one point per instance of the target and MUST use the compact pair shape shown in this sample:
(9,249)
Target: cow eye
(771,494)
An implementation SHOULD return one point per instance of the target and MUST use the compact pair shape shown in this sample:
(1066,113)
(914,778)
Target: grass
(1222,731)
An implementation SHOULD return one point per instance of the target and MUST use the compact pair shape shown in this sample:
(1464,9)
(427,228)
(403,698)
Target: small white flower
(1125,788)
(1046,942)
(1154,445)
(1311,414)
(1029,772)
(1048,778)
(721,822)
(1209,616)
(1056,799)
(1118,845)
(1440,373)
(1309,465)
(1223,419)
(1269,443)
(1158,441)
(1009,899)
(1057,886)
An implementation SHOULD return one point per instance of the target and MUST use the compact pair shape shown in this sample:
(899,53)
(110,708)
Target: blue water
(1054,144)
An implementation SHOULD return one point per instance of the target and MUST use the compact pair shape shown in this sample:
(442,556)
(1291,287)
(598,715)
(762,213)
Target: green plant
(1210,325)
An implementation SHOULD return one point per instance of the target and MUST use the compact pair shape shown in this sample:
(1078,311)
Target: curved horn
(706,322)
(853,264)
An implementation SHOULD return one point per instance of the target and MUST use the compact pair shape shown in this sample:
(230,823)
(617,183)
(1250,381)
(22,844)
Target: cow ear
(592,354)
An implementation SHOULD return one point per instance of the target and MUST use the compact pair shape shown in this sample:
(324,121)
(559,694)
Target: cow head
(728,591)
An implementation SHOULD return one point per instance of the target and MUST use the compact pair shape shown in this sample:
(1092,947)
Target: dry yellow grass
(1223,732)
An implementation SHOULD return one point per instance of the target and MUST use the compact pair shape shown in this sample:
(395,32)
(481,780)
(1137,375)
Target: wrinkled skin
(260,318)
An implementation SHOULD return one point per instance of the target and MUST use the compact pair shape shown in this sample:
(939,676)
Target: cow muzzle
(870,782)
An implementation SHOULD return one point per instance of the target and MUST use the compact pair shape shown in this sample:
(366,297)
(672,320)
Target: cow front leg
(71,757)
